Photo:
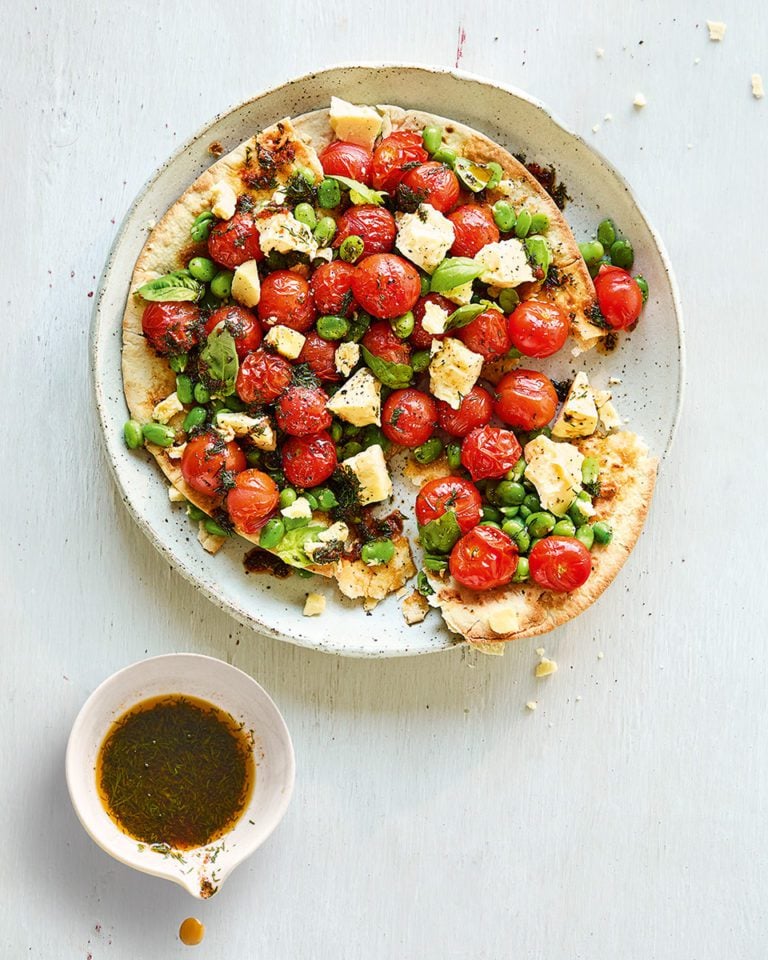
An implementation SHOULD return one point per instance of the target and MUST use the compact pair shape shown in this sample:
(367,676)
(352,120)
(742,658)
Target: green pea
(606,232)
(521,571)
(325,230)
(184,389)
(351,248)
(490,523)
(234,403)
(329,194)
(195,513)
(497,172)
(540,524)
(426,280)
(201,393)
(421,360)
(287,497)
(508,299)
(178,363)
(504,216)
(491,513)
(532,502)
(350,449)
(377,551)
(510,493)
(523,225)
(159,433)
(326,499)
(195,418)
(433,139)
(311,500)
(350,430)
(586,535)
(603,532)
(539,223)
(202,226)
(272,533)
(303,573)
(253,458)
(564,528)
(445,155)
(510,511)
(332,328)
(453,453)
(429,451)
(203,269)
(622,254)
(643,284)
(590,471)
(436,564)
(523,541)
(592,251)
(373,435)
(305,213)
(221,285)
(359,325)
(215,529)
(336,431)
(402,326)
(578,509)
(517,471)
(513,526)
(133,434)
(524,511)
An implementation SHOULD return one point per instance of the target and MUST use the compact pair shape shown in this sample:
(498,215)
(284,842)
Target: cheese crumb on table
(600,655)
(758,90)
(531,705)
(599,52)
(595,128)
(314,605)
(640,101)
(540,651)
(223,200)
(545,668)
(716,29)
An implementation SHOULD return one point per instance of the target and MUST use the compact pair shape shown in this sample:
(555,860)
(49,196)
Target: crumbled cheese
(338,531)
(503,621)
(298,510)
(230,424)
(453,371)
(167,408)
(716,29)
(555,470)
(545,668)
(758,90)
(696,61)
(283,233)
(286,341)
(279,197)
(347,357)
(599,52)
(600,655)
(176,452)
(324,253)
(640,101)
(614,381)
(314,605)
(505,264)
(425,237)
(576,352)
(360,125)
(415,608)
(370,468)
(531,705)
(175,496)
(210,541)
(359,400)
(578,418)
(540,651)
(435,318)
(608,117)
(461,295)
(223,200)
(595,127)
(246,286)
(609,416)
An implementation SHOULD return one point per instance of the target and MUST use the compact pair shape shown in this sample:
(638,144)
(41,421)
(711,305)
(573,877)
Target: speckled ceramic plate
(649,361)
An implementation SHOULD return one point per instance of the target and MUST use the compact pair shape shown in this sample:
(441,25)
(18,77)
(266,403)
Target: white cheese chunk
(424,237)
(461,295)
(347,357)
(223,200)
(555,470)
(298,510)
(415,608)
(175,496)
(314,605)
(176,452)
(640,101)
(758,90)
(286,341)
(231,424)
(167,408)
(324,253)
(505,264)
(609,416)
(279,197)
(453,371)
(370,468)
(246,286)
(263,434)
(359,400)
(360,125)
(578,418)
(716,29)
(338,531)
(435,318)
(283,233)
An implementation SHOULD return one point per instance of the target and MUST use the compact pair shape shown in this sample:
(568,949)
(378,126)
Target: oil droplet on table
(191,932)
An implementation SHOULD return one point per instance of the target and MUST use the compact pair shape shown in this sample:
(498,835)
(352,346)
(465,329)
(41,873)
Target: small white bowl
(202,870)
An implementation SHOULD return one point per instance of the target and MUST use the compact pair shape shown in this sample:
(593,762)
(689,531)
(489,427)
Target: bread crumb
(531,705)
(545,668)
(716,29)
(640,101)
(314,605)
(600,655)
(595,128)
(758,90)
(599,52)
(540,651)
(415,608)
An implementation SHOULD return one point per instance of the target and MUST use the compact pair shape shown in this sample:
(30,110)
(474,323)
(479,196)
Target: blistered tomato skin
(473,227)
(474,411)
(385,285)
(208,461)
(252,500)
(331,287)
(560,564)
(262,377)
(234,241)
(374,225)
(483,559)
(431,183)
(618,297)
(241,323)
(392,154)
(488,452)
(171,328)
(344,159)
(450,493)
(286,300)
(538,329)
(308,461)
(420,339)
(381,340)
(409,417)
(320,355)
(526,399)
(301,411)
(487,335)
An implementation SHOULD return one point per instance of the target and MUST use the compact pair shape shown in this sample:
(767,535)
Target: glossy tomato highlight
(450,493)
(483,559)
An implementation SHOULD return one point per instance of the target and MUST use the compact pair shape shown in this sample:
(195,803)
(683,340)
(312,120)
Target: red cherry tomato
(409,417)
(171,328)
(321,356)
(487,335)
(525,399)
(262,377)
(374,225)
(285,299)
(308,461)
(473,228)
(488,452)
(331,287)
(538,329)
(431,183)
(483,559)
(344,159)
(383,342)
(233,241)
(618,296)
(301,411)
(385,285)
(450,493)
(560,563)
(241,323)
(392,154)
(420,338)
(475,411)
(252,500)
(208,462)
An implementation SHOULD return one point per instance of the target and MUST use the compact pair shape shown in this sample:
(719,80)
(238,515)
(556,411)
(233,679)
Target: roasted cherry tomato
(431,183)
(420,338)
(321,356)
(285,299)
(241,323)
(525,399)
(487,335)
(308,461)
(473,228)
(538,329)
(344,159)
(301,411)
(383,342)
(475,411)
(385,285)
(618,297)
(488,452)
(331,287)
(252,500)
(560,563)
(450,493)
(262,377)
(233,241)
(171,328)
(209,464)
(392,154)
(374,225)
(483,559)
(409,417)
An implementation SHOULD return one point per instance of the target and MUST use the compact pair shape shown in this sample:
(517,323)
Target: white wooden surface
(434,817)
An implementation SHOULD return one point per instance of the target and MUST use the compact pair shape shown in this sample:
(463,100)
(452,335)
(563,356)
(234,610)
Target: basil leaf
(218,364)
(464,315)
(440,536)
(538,252)
(359,193)
(174,287)
(474,176)
(291,548)
(395,375)
(454,272)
